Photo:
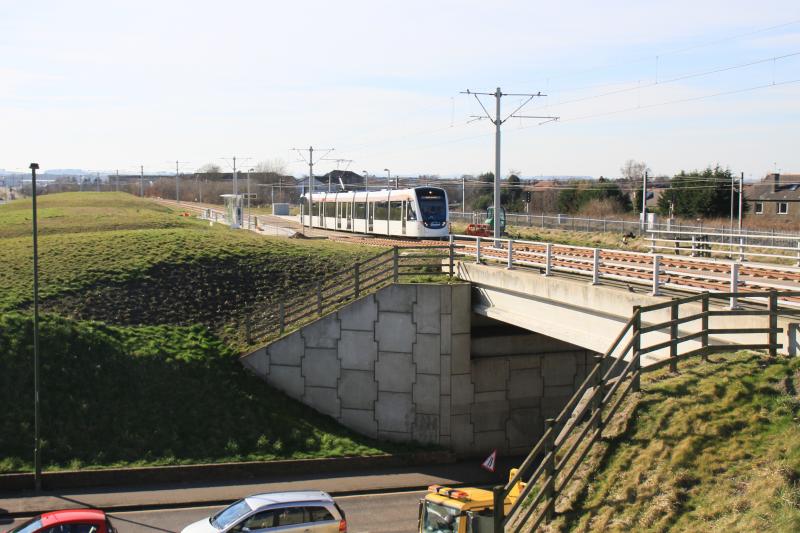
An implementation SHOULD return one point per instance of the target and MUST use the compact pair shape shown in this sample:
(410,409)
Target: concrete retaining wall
(385,366)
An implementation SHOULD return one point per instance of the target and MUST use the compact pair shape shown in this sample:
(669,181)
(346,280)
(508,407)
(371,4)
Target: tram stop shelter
(233,209)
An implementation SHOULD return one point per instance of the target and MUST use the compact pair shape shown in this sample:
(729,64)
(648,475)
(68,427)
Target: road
(378,513)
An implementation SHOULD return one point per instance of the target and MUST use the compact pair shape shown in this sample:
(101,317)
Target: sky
(104,85)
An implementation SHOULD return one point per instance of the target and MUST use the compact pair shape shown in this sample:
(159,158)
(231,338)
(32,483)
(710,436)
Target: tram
(419,212)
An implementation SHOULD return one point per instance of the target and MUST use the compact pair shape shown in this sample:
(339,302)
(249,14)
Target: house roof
(787,187)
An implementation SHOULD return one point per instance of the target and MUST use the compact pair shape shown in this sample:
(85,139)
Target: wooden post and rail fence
(567,439)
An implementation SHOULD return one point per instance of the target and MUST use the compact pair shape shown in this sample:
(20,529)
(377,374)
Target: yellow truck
(461,510)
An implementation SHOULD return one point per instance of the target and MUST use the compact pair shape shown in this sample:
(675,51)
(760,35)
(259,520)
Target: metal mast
(498,121)
(310,162)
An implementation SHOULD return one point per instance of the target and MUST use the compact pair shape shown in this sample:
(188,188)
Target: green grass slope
(114,396)
(713,448)
(124,260)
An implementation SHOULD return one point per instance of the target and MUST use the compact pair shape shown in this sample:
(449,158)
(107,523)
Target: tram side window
(381,210)
(396,211)
(330,209)
(361,210)
(410,214)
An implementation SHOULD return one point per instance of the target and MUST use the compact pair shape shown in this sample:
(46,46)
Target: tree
(271,166)
(704,193)
(210,168)
(634,170)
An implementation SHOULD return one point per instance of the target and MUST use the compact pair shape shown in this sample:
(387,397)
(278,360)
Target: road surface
(373,513)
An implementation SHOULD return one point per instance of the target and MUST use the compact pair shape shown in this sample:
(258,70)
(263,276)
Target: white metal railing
(656,271)
(564,221)
(719,244)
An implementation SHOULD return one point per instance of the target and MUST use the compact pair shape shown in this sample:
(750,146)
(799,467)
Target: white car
(284,512)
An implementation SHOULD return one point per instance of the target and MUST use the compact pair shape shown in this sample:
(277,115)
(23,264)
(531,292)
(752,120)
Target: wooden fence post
(637,347)
(356,279)
(704,323)
(395,264)
(598,394)
(499,508)
(549,469)
(451,255)
(673,337)
(773,323)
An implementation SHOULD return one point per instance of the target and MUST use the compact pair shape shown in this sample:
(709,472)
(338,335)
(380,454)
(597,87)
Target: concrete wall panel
(360,315)
(395,332)
(358,389)
(397,298)
(358,350)
(321,367)
(394,372)
(323,333)
(394,411)
(427,355)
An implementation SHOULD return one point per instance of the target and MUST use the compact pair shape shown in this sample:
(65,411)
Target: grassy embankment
(714,448)
(148,385)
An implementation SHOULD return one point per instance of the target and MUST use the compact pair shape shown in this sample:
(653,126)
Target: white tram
(417,212)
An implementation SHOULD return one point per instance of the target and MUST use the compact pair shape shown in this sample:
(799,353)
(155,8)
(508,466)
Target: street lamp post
(388,178)
(37,457)
(249,170)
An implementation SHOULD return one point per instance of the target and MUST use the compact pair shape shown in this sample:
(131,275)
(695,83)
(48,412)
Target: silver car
(273,512)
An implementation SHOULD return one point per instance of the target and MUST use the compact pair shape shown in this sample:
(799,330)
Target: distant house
(776,196)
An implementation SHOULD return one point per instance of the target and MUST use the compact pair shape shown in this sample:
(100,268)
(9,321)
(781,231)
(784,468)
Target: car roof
(256,501)
(72,515)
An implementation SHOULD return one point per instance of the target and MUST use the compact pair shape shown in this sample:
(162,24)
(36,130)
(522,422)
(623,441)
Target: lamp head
(34,166)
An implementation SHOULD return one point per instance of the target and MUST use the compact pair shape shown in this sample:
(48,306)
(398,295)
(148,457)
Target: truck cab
(462,510)
(490,218)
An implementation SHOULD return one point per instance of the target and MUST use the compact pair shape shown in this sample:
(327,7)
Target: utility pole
(310,162)
(366,180)
(388,178)
(249,170)
(178,180)
(37,450)
(497,121)
(141,181)
(644,199)
(98,181)
(117,180)
(463,194)
(741,194)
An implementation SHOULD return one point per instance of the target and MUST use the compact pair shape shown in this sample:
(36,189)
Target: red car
(68,521)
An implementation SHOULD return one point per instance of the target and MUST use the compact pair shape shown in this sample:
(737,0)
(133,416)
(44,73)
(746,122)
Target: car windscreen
(30,526)
(439,518)
(432,205)
(230,514)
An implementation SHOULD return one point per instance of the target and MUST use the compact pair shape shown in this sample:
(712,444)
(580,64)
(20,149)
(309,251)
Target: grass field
(139,338)
(713,448)
(118,258)
(127,396)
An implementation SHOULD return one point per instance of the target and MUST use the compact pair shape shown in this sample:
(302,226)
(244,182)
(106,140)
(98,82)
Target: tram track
(678,273)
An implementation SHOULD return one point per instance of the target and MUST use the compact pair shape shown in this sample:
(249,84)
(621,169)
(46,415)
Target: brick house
(776,196)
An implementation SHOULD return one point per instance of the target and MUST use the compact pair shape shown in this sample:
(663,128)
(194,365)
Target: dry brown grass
(713,448)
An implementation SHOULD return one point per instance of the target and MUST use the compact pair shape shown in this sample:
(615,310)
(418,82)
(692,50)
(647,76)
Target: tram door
(370,215)
(339,214)
(403,217)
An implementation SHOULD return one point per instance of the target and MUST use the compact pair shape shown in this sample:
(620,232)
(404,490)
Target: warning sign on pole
(489,463)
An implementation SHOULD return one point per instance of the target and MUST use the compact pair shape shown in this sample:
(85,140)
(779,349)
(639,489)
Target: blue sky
(105,85)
